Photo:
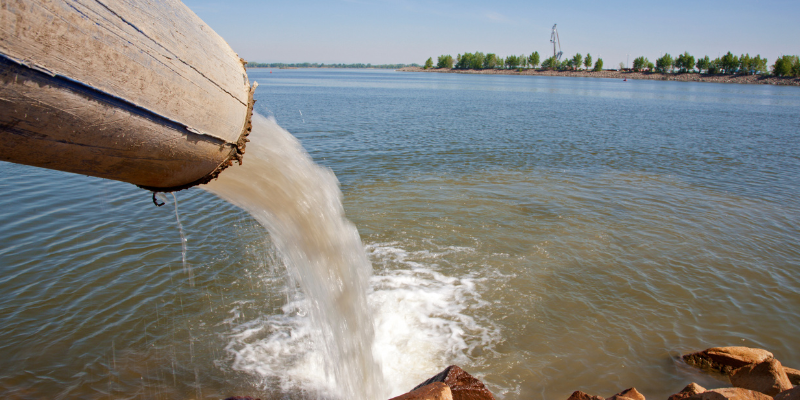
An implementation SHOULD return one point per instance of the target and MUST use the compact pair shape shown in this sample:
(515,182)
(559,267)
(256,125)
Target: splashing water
(299,203)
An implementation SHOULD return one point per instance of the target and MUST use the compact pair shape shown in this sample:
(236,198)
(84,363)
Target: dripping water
(187,269)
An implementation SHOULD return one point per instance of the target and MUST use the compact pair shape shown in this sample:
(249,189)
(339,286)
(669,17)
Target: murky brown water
(546,234)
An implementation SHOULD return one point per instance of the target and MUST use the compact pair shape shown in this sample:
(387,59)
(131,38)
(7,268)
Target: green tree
(490,61)
(714,67)
(703,64)
(429,63)
(745,64)
(577,61)
(640,63)
(786,66)
(598,65)
(550,63)
(587,62)
(445,61)
(760,64)
(678,63)
(684,62)
(664,63)
(752,65)
(729,63)
(512,61)
(470,60)
(477,60)
(533,59)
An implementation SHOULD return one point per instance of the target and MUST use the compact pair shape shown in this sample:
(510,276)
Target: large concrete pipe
(140,91)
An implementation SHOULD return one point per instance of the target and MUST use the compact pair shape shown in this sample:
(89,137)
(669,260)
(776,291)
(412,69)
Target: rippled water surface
(547,234)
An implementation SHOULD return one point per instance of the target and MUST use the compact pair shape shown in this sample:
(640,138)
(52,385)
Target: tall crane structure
(555,40)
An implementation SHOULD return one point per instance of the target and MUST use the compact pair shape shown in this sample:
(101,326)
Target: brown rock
(433,391)
(630,393)
(462,385)
(766,377)
(727,359)
(791,394)
(689,391)
(730,394)
(578,395)
(793,374)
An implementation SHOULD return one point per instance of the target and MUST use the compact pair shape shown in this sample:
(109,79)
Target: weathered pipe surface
(138,91)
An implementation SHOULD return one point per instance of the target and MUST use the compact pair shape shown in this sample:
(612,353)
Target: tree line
(479,60)
(727,64)
(323,65)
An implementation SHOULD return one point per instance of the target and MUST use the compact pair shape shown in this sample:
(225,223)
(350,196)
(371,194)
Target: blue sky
(408,31)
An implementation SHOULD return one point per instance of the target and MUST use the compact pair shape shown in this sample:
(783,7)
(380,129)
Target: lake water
(546,234)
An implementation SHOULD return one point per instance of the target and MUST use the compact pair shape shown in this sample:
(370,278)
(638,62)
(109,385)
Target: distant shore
(656,76)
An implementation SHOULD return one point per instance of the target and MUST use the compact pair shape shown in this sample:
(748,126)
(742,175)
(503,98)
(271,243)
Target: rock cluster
(432,391)
(727,359)
(451,384)
(689,391)
(754,373)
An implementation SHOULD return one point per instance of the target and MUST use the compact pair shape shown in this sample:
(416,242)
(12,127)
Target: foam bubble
(425,320)
(281,349)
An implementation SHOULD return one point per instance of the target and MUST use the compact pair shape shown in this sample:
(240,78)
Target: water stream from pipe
(300,204)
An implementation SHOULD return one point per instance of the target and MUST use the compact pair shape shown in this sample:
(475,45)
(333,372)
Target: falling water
(187,269)
(299,203)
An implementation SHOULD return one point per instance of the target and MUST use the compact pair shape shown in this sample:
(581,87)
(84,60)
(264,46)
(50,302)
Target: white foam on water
(282,349)
(422,320)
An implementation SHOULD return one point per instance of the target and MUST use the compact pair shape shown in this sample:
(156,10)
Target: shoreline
(655,76)
(750,374)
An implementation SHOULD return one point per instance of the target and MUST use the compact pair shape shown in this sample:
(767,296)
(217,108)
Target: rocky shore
(754,374)
(657,76)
